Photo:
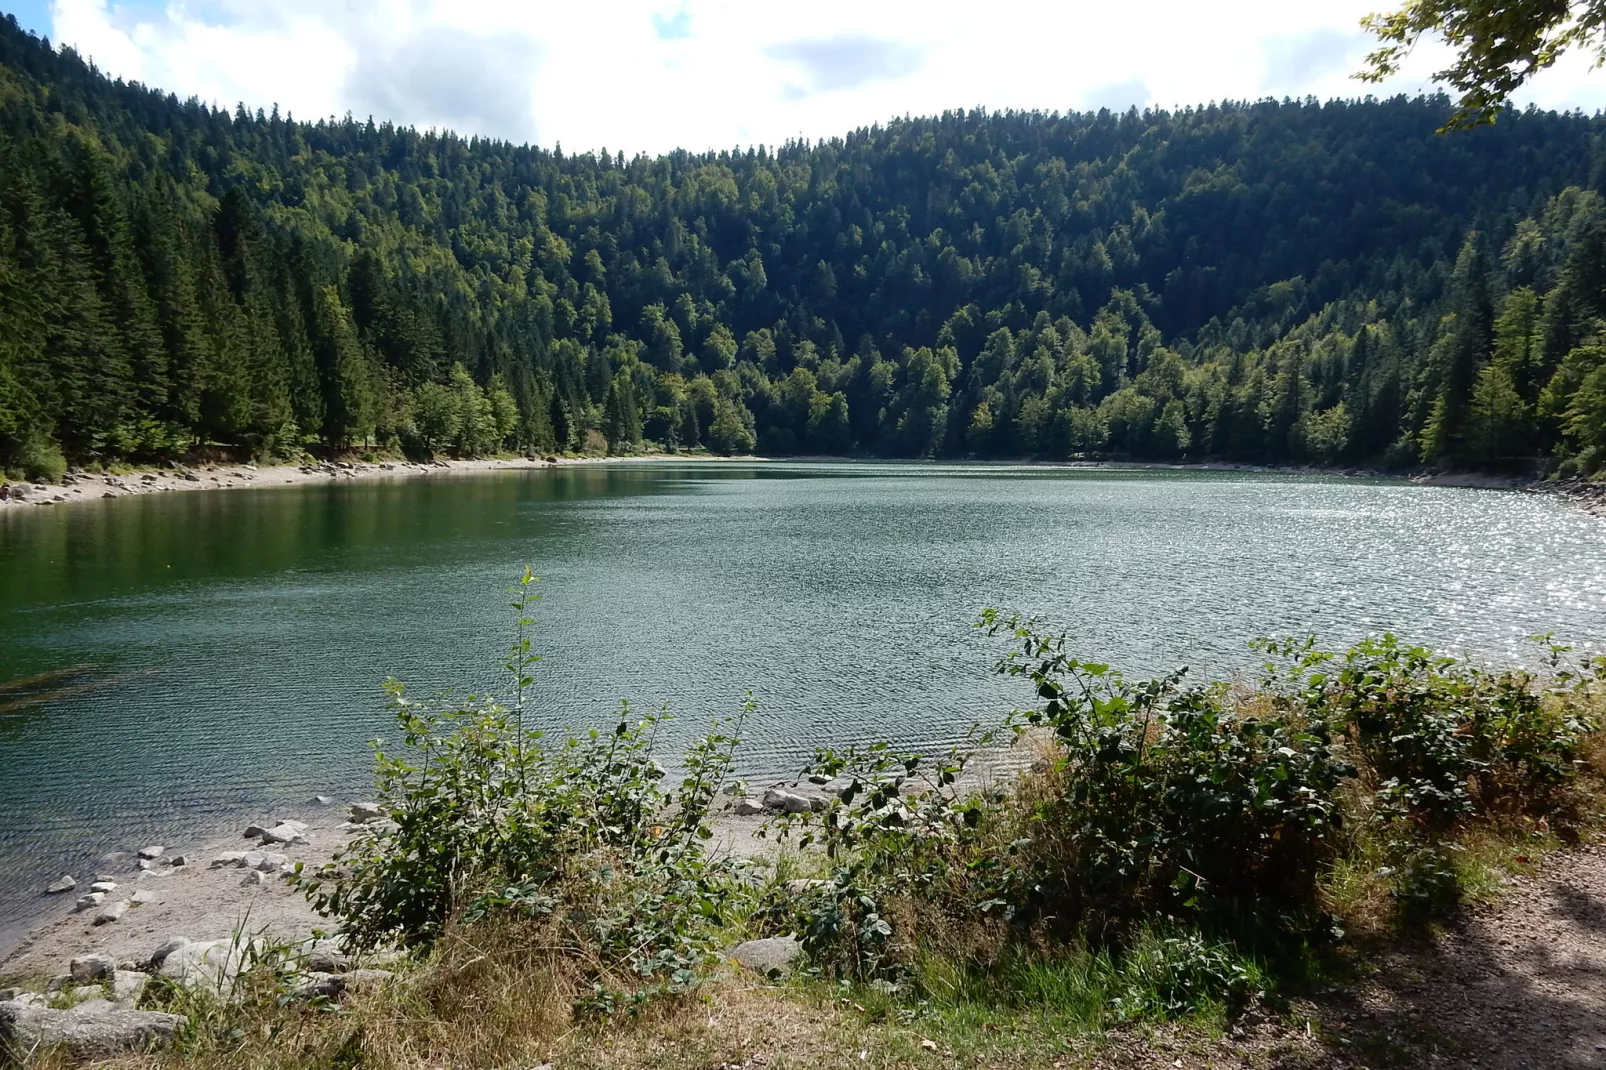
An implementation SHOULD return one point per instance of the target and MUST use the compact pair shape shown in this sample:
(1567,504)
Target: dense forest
(1271,281)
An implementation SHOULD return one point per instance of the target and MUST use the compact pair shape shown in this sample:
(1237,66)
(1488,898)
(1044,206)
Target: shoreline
(79,486)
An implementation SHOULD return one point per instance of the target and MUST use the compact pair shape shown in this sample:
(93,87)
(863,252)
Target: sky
(654,75)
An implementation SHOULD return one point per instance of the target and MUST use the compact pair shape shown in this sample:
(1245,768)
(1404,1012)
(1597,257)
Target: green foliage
(1001,285)
(583,830)
(1185,844)
(1170,800)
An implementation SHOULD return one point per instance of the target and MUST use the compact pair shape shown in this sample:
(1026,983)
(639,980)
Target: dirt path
(1519,985)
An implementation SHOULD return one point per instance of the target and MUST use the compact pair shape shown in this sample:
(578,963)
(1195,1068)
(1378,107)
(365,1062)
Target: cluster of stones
(92,1011)
(777,801)
(153,859)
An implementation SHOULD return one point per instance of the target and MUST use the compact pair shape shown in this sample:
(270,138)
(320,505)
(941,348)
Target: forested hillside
(1292,281)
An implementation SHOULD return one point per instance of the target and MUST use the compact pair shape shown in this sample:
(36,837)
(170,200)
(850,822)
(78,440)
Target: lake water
(229,647)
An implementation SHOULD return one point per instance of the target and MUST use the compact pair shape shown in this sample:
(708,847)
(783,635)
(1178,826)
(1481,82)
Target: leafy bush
(583,830)
(1168,800)
(1172,827)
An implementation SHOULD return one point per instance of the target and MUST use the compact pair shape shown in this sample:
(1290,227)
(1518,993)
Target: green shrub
(1169,800)
(582,830)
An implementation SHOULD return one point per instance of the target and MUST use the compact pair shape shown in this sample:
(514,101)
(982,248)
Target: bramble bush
(486,818)
(1185,828)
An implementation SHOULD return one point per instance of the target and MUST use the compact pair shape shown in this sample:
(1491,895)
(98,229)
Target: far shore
(80,486)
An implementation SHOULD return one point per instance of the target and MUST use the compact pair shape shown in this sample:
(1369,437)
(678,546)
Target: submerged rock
(66,884)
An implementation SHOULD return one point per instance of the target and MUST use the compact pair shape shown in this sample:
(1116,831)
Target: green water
(229,646)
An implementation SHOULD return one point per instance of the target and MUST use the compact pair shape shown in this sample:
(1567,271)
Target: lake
(225,649)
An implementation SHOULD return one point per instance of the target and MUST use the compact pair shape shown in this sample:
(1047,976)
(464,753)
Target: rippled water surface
(219,654)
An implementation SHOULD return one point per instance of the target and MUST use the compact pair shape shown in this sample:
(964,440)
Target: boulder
(111,912)
(326,956)
(103,886)
(285,833)
(159,956)
(94,1030)
(363,812)
(128,986)
(271,861)
(745,807)
(771,957)
(153,852)
(786,802)
(208,964)
(66,884)
(254,832)
(95,966)
(252,859)
(93,899)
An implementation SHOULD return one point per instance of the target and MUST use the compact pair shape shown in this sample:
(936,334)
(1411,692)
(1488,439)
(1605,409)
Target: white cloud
(650,75)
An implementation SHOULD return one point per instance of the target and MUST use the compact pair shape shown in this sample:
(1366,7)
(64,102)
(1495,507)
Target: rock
(326,956)
(786,802)
(111,912)
(59,983)
(152,853)
(364,812)
(159,956)
(103,886)
(252,859)
(210,963)
(254,832)
(271,861)
(299,826)
(9,994)
(254,879)
(89,1031)
(228,858)
(86,992)
(179,860)
(141,897)
(95,966)
(66,884)
(805,886)
(144,865)
(30,999)
(128,986)
(772,957)
(745,807)
(105,877)
(285,834)
(321,984)
(192,477)
(93,899)
(324,800)
(356,980)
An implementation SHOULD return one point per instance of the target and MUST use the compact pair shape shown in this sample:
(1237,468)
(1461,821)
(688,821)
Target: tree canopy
(1499,44)
(1261,281)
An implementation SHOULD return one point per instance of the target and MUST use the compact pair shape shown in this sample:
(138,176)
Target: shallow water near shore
(181,664)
